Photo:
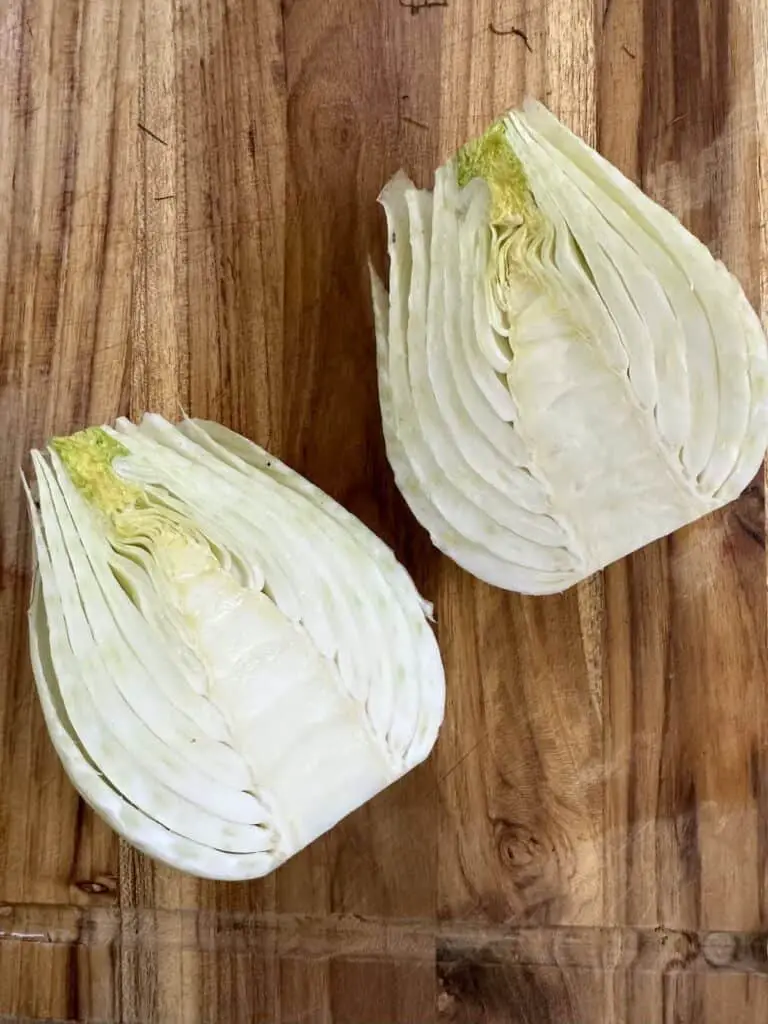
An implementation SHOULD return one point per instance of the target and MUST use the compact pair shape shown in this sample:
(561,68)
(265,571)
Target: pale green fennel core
(176,545)
(492,158)
(88,456)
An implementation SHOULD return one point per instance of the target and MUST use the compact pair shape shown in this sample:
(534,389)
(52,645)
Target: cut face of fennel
(228,662)
(565,373)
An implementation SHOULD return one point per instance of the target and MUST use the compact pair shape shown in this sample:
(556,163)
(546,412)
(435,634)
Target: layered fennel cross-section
(228,661)
(565,372)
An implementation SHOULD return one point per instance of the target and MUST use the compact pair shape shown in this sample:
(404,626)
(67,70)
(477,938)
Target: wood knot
(719,948)
(98,886)
(537,867)
(520,851)
(460,979)
(337,125)
(91,887)
(749,511)
(446,1006)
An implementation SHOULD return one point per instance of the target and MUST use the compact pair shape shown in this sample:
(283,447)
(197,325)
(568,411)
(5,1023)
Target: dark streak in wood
(460,761)
(512,31)
(73,984)
(412,120)
(499,991)
(415,6)
(150,133)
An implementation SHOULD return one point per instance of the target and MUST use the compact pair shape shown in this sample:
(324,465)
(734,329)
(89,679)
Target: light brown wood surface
(187,202)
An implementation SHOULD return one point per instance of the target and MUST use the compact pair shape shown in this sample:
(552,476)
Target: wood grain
(187,204)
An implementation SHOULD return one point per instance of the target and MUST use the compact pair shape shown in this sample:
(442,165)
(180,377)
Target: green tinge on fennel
(492,158)
(88,456)
(177,545)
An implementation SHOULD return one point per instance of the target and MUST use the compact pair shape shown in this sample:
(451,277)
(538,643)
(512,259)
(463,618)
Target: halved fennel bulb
(565,372)
(228,661)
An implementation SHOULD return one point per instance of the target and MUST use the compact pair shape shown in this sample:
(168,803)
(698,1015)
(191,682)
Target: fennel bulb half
(565,372)
(228,661)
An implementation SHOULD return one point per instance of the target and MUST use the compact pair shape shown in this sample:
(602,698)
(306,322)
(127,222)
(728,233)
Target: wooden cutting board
(187,203)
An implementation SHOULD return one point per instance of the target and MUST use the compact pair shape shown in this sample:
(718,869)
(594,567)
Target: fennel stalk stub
(565,373)
(228,661)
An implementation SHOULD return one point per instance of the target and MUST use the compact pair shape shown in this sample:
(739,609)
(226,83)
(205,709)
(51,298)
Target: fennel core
(88,456)
(136,517)
(492,158)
